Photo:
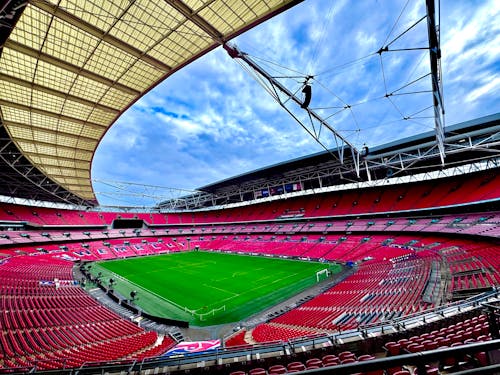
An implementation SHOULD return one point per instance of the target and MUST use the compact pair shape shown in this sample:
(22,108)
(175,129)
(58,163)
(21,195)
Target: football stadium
(377,252)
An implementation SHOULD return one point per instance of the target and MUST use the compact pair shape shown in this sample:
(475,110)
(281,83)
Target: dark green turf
(168,285)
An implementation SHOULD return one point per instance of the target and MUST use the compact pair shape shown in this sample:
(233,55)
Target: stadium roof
(470,142)
(69,69)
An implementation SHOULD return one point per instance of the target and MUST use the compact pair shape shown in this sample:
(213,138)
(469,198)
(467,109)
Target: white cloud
(211,120)
(489,86)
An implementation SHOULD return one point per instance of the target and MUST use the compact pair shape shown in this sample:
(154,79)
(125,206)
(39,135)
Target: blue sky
(212,120)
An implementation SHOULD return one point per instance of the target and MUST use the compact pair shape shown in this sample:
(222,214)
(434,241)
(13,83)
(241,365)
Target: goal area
(322,275)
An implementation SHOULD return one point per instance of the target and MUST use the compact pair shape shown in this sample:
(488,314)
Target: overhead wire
(396,22)
(299,78)
(319,41)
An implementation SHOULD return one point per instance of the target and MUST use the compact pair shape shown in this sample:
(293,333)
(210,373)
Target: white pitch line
(256,288)
(222,290)
(147,290)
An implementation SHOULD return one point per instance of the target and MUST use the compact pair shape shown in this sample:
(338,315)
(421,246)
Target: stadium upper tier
(69,69)
(471,189)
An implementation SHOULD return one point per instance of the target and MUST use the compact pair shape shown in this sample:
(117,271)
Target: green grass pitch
(208,288)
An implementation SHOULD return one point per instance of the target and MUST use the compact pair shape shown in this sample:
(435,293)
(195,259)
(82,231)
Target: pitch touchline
(147,290)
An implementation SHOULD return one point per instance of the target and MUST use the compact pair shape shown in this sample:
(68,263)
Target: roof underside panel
(69,68)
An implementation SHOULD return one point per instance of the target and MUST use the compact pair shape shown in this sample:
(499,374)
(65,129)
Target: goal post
(323,274)
(201,316)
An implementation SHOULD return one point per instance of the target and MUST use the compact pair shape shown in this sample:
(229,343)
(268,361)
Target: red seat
(314,362)
(404,343)
(331,363)
(257,371)
(415,348)
(345,355)
(313,367)
(430,345)
(277,370)
(329,358)
(365,357)
(296,366)
(481,358)
(348,360)
(393,348)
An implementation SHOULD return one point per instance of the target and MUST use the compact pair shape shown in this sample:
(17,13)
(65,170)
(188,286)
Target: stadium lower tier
(48,320)
(463,332)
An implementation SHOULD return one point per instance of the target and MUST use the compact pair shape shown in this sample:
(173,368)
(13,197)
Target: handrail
(415,359)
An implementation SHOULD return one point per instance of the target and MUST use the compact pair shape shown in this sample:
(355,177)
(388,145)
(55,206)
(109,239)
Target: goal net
(322,275)
(201,316)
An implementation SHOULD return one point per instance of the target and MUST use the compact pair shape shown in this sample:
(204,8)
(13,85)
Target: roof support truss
(284,97)
(91,29)
(437,88)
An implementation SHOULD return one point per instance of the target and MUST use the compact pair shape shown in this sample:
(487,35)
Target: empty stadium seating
(399,260)
(485,186)
(48,320)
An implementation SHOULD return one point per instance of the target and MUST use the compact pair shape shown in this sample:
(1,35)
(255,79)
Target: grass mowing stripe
(152,302)
(203,281)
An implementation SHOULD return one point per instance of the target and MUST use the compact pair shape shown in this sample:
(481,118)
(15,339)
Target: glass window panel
(88,89)
(86,144)
(76,110)
(146,23)
(65,153)
(15,93)
(53,161)
(17,65)
(47,102)
(36,159)
(42,136)
(181,45)
(31,27)
(141,76)
(222,18)
(26,146)
(52,76)
(69,127)
(18,132)
(92,132)
(194,4)
(66,140)
(52,170)
(45,149)
(99,116)
(116,99)
(71,181)
(83,155)
(68,43)
(44,122)
(109,61)
(15,115)
(101,14)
